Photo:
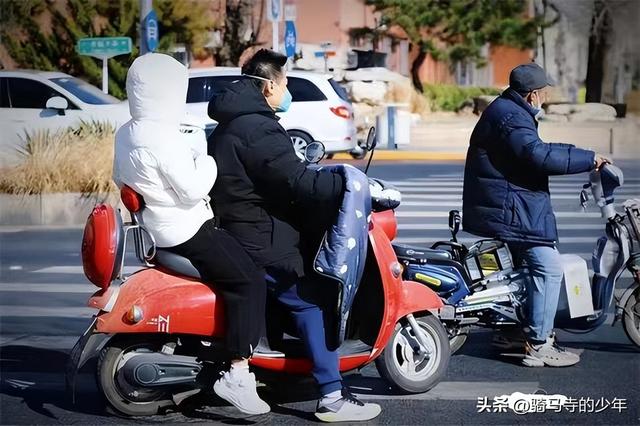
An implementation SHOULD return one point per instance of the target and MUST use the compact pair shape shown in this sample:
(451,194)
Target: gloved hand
(384,196)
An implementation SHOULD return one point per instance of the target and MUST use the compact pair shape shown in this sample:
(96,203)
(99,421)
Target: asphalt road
(42,313)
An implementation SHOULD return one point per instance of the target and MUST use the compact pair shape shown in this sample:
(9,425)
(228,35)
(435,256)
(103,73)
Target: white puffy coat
(152,157)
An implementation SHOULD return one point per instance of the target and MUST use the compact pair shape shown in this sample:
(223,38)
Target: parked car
(320,109)
(41,100)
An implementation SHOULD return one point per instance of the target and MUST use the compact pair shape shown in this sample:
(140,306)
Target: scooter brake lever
(584,197)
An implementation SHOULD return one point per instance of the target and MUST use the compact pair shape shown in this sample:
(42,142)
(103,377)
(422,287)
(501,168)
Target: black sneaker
(347,408)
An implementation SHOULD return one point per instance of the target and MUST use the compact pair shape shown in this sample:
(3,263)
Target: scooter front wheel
(404,365)
(124,397)
(631,317)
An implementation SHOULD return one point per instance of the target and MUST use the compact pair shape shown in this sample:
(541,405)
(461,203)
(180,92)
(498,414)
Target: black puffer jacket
(263,189)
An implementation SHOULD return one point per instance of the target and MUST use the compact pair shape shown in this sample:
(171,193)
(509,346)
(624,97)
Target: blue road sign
(151,33)
(290,38)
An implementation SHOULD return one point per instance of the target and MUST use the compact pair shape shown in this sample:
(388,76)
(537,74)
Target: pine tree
(456,30)
(22,33)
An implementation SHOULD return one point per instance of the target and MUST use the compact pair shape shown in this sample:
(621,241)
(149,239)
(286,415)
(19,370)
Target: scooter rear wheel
(123,397)
(631,317)
(401,363)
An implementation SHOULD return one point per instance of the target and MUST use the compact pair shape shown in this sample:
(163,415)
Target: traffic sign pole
(105,75)
(104,48)
(274,14)
(274,40)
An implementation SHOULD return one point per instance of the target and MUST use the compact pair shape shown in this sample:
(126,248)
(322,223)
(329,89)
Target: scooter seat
(176,263)
(412,253)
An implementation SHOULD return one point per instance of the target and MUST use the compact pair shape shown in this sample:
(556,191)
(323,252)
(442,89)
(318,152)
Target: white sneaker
(549,354)
(238,387)
(346,408)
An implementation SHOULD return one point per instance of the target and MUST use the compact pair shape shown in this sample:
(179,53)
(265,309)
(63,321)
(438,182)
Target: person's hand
(601,160)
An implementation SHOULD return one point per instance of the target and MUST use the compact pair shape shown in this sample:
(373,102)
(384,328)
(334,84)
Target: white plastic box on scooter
(575,294)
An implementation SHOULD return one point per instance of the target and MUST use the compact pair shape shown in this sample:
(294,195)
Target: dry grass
(404,92)
(71,160)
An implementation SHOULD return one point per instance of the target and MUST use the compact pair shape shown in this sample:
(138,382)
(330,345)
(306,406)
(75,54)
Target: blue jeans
(309,322)
(543,287)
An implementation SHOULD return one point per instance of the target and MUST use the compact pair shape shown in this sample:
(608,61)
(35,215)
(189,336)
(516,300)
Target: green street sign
(104,46)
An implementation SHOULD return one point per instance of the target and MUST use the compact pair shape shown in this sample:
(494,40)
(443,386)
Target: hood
(157,88)
(239,98)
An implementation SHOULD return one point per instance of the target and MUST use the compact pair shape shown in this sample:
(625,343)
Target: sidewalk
(447,139)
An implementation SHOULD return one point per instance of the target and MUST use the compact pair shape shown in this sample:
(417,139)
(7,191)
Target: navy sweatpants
(309,322)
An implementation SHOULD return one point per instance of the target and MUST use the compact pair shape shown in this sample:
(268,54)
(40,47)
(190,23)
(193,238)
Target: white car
(320,109)
(41,100)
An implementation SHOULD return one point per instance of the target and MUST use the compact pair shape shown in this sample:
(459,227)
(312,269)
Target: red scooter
(155,327)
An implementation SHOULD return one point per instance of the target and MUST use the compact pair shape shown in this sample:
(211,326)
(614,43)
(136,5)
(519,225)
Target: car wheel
(299,140)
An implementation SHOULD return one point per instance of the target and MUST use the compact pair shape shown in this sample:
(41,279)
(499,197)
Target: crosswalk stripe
(451,203)
(443,226)
(74,269)
(557,179)
(439,214)
(458,196)
(48,288)
(45,311)
(458,189)
(467,240)
(461,391)
(410,184)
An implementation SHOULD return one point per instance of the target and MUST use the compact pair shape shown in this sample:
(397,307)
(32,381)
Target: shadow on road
(36,376)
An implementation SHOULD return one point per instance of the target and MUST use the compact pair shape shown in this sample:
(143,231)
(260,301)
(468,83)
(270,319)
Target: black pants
(224,263)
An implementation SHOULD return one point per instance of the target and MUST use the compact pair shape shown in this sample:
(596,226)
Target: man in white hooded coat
(153,158)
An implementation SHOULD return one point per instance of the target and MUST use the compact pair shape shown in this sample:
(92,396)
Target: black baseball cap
(528,77)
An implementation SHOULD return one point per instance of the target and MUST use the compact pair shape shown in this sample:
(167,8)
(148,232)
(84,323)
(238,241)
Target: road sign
(290,38)
(104,48)
(274,10)
(323,53)
(151,33)
(290,12)
(100,47)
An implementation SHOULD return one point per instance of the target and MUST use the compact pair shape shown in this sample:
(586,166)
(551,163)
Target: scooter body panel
(401,297)
(169,304)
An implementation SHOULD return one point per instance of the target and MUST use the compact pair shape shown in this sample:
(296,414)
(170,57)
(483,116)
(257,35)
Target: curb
(388,155)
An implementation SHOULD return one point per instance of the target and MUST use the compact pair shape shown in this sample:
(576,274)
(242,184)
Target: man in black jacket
(261,188)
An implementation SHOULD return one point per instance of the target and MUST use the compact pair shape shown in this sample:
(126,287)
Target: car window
(202,89)
(303,90)
(4,96)
(27,93)
(84,91)
(339,90)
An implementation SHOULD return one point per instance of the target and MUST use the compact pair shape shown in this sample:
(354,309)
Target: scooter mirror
(314,152)
(454,224)
(372,140)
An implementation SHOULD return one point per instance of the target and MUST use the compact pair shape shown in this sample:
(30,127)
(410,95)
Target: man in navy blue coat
(506,196)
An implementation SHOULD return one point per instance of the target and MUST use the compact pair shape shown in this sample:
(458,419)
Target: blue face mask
(285,102)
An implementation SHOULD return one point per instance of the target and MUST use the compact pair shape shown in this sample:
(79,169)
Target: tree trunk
(415,70)
(597,49)
(238,21)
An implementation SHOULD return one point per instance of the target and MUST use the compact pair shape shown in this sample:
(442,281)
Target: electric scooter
(483,288)
(155,328)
